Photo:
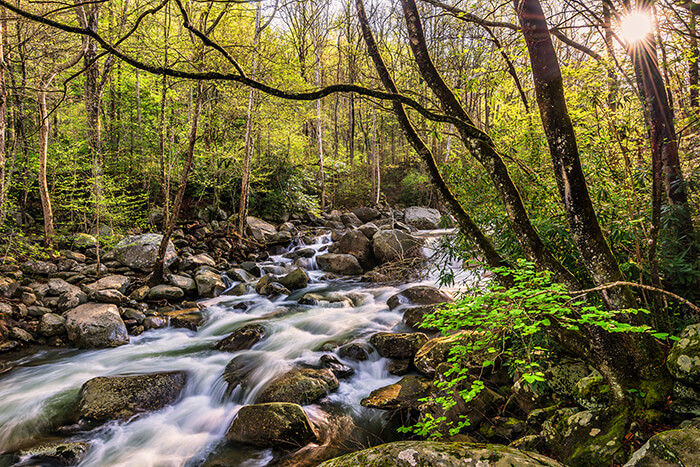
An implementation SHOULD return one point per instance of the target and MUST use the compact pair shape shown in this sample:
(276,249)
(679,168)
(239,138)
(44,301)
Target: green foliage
(510,326)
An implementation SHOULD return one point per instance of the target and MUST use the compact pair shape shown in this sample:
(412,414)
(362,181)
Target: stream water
(39,387)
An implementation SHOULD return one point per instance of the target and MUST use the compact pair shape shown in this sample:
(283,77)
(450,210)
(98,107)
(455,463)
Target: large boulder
(141,251)
(260,230)
(300,386)
(277,424)
(209,283)
(350,220)
(96,325)
(357,244)
(435,453)
(122,397)
(395,245)
(684,358)
(402,346)
(339,264)
(297,279)
(39,268)
(242,339)
(422,218)
(366,214)
(420,295)
(668,449)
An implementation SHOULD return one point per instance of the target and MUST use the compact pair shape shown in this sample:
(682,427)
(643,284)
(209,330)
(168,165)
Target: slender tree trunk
(694,55)
(43,156)
(158,270)
(319,123)
(3,119)
(250,121)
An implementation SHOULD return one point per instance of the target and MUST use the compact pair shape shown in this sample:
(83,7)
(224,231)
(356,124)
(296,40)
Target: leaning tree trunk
(483,149)
(627,358)
(158,269)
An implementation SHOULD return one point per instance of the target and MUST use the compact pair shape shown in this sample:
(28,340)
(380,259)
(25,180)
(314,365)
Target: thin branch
(611,285)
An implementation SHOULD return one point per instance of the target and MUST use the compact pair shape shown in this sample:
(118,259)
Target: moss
(656,393)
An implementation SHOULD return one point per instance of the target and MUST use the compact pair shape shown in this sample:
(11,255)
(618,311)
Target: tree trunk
(248,147)
(3,119)
(43,150)
(319,123)
(694,55)
(483,150)
(158,269)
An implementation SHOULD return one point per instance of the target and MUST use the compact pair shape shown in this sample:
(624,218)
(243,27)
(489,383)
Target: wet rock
(684,358)
(271,425)
(300,386)
(395,245)
(165,292)
(242,339)
(190,318)
(130,313)
(366,214)
(339,369)
(339,264)
(332,300)
(357,244)
(140,251)
(420,295)
(260,230)
(252,268)
(422,218)
(54,454)
(237,290)
(668,449)
(154,322)
(96,325)
(398,367)
(402,346)
(209,284)
(300,253)
(280,238)
(237,371)
(52,324)
(355,351)
(122,397)
(39,268)
(240,275)
(437,351)
(113,282)
(403,395)
(435,453)
(297,279)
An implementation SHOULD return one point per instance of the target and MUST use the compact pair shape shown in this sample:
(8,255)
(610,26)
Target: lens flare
(636,26)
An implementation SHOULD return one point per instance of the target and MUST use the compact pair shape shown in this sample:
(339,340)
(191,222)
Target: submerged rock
(434,453)
(96,325)
(277,424)
(242,339)
(122,397)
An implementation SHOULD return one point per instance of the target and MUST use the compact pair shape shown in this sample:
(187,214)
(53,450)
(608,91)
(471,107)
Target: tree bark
(3,119)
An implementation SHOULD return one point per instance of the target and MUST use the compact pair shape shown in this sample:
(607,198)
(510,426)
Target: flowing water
(38,388)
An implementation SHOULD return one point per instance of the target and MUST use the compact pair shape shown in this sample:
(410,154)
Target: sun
(635,26)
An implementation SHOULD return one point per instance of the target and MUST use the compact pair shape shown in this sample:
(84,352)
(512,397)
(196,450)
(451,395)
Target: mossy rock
(398,345)
(277,424)
(433,453)
(121,397)
(684,358)
(54,453)
(668,449)
(592,393)
(403,395)
(300,386)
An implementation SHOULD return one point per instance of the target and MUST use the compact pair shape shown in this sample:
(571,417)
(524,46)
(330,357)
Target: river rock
(71,299)
(401,346)
(300,386)
(276,424)
(366,214)
(403,395)
(52,324)
(435,453)
(57,287)
(260,230)
(339,264)
(300,253)
(684,359)
(113,282)
(395,245)
(297,279)
(242,339)
(141,251)
(165,292)
(96,325)
(122,397)
(422,218)
(209,283)
(369,229)
(252,268)
(357,244)
(39,268)
(420,295)
(54,454)
(196,262)
(108,296)
(413,317)
(339,369)
(189,318)
(240,275)
(187,284)
(349,219)
(668,449)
